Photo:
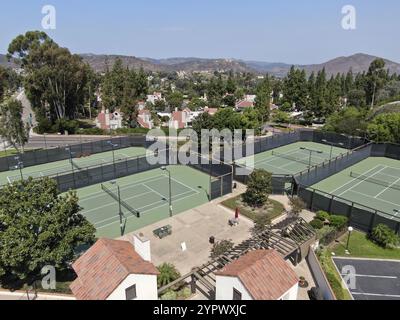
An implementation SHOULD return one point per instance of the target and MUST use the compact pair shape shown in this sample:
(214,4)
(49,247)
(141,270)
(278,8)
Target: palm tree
(168,274)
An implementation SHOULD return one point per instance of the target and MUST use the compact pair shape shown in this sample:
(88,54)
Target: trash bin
(212,240)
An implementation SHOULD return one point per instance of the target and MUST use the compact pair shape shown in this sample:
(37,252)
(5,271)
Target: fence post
(372,222)
(398,228)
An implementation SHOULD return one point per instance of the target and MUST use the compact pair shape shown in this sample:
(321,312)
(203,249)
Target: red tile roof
(244,104)
(264,273)
(104,266)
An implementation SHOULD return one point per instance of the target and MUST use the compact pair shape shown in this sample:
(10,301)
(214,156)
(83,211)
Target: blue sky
(291,31)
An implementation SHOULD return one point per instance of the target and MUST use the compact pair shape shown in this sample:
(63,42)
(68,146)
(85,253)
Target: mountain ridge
(358,62)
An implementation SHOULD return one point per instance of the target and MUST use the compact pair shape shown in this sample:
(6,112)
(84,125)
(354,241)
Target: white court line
(386,189)
(355,179)
(370,276)
(185,185)
(161,202)
(109,204)
(160,206)
(363,180)
(368,196)
(156,192)
(123,187)
(375,295)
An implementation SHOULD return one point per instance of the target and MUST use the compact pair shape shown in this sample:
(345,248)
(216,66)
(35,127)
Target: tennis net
(380,182)
(118,199)
(293,158)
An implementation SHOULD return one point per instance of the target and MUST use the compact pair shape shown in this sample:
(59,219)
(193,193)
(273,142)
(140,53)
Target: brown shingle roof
(104,266)
(264,274)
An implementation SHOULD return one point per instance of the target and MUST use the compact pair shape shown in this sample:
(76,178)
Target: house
(211,111)
(114,270)
(106,120)
(144,119)
(154,97)
(244,104)
(180,119)
(258,275)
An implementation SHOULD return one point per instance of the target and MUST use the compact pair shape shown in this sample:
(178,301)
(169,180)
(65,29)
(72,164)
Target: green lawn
(275,208)
(361,247)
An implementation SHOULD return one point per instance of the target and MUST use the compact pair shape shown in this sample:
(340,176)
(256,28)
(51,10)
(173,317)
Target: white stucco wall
(146,287)
(225,286)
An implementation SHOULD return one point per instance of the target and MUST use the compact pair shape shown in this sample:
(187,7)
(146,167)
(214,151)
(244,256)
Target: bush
(384,236)
(323,215)
(93,131)
(338,222)
(317,224)
(64,125)
(169,295)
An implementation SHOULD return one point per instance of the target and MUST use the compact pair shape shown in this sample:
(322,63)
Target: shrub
(93,131)
(169,295)
(323,215)
(384,236)
(63,125)
(221,247)
(258,188)
(338,222)
(317,224)
(168,274)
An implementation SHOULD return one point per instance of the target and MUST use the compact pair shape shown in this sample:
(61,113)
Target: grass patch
(273,208)
(361,247)
(332,275)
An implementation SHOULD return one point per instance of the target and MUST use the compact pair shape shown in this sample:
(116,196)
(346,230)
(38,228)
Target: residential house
(113,270)
(243,105)
(144,119)
(154,97)
(180,119)
(211,111)
(258,275)
(106,120)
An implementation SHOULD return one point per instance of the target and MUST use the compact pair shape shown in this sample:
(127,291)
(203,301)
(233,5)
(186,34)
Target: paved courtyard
(194,228)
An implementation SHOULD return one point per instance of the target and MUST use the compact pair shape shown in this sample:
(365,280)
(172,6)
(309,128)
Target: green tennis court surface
(374,182)
(146,193)
(58,167)
(291,159)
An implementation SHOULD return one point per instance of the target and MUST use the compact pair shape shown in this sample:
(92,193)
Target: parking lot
(372,279)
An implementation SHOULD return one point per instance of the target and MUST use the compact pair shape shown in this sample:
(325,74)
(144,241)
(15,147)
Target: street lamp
(170,191)
(19,166)
(113,146)
(350,230)
(311,151)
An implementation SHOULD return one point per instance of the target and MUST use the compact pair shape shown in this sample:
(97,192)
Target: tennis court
(374,182)
(58,167)
(144,199)
(293,158)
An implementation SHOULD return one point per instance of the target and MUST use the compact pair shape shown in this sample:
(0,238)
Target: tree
(259,187)
(280,117)
(295,88)
(168,274)
(3,82)
(347,121)
(12,127)
(375,80)
(231,84)
(175,100)
(296,206)
(263,99)
(54,78)
(220,248)
(385,128)
(39,227)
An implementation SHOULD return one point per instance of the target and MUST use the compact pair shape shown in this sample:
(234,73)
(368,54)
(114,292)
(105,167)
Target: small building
(258,275)
(211,111)
(144,119)
(180,119)
(244,104)
(106,120)
(154,97)
(113,270)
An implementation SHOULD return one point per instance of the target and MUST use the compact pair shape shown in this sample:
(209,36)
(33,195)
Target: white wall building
(258,275)
(113,270)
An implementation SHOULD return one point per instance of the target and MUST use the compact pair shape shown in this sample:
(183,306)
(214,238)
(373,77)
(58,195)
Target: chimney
(142,246)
